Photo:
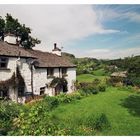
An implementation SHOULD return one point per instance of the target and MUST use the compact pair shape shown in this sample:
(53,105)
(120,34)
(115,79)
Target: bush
(89,88)
(36,121)
(102,88)
(96,82)
(113,81)
(101,122)
(8,111)
(67,98)
(98,123)
(135,81)
(52,102)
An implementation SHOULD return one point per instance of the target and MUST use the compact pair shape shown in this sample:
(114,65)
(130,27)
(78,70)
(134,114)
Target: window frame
(50,72)
(64,71)
(5,62)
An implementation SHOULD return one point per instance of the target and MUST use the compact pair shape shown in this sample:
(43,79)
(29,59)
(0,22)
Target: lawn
(89,77)
(99,72)
(121,106)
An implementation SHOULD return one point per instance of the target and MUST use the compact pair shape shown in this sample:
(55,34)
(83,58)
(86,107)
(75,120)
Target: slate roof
(45,59)
(13,50)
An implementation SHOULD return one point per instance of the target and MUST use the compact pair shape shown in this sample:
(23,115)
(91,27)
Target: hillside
(97,67)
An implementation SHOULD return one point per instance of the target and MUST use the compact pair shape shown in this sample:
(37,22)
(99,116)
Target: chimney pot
(55,45)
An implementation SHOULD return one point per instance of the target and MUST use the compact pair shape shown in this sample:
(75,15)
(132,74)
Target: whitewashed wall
(26,73)
(7,73)
(40,78)
(71,78)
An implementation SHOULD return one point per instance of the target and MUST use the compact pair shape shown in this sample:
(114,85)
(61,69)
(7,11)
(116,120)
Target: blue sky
(126,42)
(99,31)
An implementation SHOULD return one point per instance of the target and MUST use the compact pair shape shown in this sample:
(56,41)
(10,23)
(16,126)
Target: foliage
(9,82)
(12,25)
(94,115)
(62,82)
(52,102)
(101,122)
(94,87)
(8,111)
(98,123)
(86,65)
(131,64)
(16,80)
(2,25)
(35,121)
(64,98)
(102,88)
(38,120)
(113,81)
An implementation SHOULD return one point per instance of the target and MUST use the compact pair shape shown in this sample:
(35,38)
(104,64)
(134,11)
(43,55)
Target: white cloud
(110,53)
(133,16)
(113,14)
(58,23)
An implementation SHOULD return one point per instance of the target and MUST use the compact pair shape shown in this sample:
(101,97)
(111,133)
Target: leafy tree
(12,25)
(2,25)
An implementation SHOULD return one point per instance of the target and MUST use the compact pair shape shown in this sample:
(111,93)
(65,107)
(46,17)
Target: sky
(98,31)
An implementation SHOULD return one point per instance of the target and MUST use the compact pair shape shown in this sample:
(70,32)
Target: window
(50,72)
(20,91)
(64,71)
(3,62)
(42,90)
(3,93)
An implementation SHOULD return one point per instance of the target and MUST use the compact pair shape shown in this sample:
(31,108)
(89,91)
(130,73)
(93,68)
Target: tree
(2,26)
(12,25)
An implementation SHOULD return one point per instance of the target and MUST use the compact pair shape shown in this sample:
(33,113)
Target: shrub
(8,111)
(89,89)
(101,122)
(95,91)
(98,123)
(36,121)
(67,98)
(113,81)
(52,102)
(102,88)
(76,96)
(96,82)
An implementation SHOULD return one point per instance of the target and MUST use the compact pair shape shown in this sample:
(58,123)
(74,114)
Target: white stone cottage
(36,67)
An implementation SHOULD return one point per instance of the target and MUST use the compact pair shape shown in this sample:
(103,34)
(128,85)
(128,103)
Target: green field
(121,106)
(89,77)
(99,72)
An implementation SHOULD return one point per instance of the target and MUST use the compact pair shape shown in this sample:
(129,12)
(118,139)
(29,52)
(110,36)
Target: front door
(57,90)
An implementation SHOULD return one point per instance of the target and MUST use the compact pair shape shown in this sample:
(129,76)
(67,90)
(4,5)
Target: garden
(96,108)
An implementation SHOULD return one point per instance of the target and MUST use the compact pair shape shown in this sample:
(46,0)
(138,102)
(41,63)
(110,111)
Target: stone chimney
(56,50)
(11,39)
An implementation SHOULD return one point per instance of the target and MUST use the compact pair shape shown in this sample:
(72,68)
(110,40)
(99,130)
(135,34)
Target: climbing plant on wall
(15,81)
(62,82)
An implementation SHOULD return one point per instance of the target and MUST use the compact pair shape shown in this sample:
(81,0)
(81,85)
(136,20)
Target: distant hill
(68,55)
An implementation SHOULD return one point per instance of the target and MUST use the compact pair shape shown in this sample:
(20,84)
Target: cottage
(121,74)
(33,70)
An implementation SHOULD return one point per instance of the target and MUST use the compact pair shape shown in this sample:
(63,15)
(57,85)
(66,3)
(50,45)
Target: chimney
(55,45)
(56,50)
(11,39)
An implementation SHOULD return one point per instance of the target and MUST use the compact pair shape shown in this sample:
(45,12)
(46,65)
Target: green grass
(89,77)
(121,106)
(99,72)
